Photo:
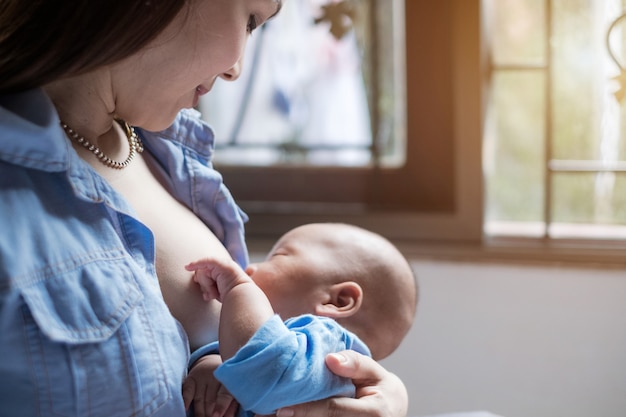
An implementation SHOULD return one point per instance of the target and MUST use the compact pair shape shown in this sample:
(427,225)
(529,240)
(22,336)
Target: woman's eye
(252,24)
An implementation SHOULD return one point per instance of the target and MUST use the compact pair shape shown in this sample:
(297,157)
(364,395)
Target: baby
(339,287)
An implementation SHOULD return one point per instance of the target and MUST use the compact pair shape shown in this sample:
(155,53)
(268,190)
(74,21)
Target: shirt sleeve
(283,364)
(185,152)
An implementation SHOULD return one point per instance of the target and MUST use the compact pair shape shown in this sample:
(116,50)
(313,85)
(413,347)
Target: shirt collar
(31,134)
(32,137)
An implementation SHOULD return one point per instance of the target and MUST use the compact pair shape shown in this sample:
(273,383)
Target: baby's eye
(252,24)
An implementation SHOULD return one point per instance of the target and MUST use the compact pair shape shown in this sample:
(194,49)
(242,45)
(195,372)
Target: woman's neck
(86,107)
(85,103)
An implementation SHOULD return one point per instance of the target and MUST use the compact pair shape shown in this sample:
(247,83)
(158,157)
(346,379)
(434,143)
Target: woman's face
(206,40)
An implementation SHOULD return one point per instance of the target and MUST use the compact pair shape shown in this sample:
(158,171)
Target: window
(322,86)
(420,176)
(555,141)
(506,113)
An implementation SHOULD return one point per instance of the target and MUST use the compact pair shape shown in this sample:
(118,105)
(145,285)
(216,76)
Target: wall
(516,340)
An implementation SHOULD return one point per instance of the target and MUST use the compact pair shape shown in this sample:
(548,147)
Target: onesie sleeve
(283,364)
(209,349)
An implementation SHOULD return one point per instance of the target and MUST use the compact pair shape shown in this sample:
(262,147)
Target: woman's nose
(234,72)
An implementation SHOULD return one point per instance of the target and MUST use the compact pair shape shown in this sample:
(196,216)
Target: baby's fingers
(194,266)
(207,284)
(209,290)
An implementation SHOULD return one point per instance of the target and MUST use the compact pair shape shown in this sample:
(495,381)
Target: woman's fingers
(189,390)
(379,393)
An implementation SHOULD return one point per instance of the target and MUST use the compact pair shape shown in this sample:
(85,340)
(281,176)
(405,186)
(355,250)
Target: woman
(91,219)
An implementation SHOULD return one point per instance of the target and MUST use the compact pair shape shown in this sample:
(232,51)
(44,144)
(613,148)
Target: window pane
(605,204)
(518,32)
(586,113)
(319,87)
(423,179)
(514,147)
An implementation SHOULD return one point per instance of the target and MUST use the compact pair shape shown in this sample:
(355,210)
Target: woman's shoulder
(31,134)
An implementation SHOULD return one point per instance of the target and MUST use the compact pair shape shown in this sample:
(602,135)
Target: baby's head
(344,272)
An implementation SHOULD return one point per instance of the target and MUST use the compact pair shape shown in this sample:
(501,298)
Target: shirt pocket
(91,345)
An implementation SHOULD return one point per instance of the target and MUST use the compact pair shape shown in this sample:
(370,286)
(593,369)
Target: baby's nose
(251,269)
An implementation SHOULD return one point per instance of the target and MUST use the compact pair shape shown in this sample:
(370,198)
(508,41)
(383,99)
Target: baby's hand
(217,277)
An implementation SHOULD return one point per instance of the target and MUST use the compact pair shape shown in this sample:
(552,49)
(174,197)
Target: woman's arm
(379,393)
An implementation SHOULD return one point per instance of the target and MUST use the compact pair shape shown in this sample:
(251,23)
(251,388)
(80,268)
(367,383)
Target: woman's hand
(379,393)
(207,394)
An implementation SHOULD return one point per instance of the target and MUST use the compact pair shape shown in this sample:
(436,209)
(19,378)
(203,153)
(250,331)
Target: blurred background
(486,139)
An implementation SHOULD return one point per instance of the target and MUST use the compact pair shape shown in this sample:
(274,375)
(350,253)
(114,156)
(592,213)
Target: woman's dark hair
(43,40)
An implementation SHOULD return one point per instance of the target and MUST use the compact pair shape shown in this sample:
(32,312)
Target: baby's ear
(345,299)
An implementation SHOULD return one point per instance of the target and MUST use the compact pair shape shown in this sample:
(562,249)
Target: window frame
(447,83)
(438,193)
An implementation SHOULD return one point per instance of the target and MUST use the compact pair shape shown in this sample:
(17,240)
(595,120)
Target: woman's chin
(161,124)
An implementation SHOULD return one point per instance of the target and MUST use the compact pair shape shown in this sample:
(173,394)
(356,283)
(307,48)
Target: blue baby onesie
(283,364)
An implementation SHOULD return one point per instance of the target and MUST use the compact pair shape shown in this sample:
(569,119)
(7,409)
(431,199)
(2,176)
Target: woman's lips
(200,91)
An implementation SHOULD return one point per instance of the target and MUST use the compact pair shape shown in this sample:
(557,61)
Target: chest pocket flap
(83,304)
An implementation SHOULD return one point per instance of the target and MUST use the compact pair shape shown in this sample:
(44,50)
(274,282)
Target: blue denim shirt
(84,330)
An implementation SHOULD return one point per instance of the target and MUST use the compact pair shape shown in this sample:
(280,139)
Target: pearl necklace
(133,141)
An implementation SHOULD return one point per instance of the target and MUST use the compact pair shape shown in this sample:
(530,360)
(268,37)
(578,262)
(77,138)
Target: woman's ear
(345,299)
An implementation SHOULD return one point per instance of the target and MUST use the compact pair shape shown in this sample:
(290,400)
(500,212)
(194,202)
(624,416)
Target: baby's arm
(245,308)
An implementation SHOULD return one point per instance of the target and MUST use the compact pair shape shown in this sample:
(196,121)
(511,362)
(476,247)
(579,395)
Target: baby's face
(293,276)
